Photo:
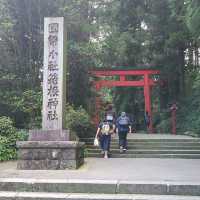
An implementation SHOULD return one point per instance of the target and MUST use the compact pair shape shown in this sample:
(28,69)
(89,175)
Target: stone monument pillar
(54,81)
(50,147)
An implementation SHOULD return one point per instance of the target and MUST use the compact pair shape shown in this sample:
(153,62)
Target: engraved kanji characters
(52,115)
(52,103)
(53,28)
(53,79)
(53,89)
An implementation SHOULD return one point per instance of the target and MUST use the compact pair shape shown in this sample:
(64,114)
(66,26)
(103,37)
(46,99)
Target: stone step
(148,151)
(137,147)
(65,196)
(99,186)
(153,144)
(126,155)
(195,140)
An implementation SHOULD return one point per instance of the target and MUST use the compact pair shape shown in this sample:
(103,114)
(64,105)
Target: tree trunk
(181,63)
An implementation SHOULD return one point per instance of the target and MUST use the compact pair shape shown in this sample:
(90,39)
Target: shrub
(78,121)
(6,151)
(30,104)
(6,126)
(164,126)
(8,137)
(23,107)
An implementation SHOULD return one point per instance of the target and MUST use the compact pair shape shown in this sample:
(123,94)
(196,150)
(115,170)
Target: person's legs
(106,154)
(101,140)
(106,145)
(125,141)
(120,134)
(103,137)
(109,140)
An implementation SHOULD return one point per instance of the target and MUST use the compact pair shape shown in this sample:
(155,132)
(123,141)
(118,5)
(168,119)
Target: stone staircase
(150,148)
(74,185)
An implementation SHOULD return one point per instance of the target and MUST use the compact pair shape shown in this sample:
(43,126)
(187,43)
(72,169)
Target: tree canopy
(103,33)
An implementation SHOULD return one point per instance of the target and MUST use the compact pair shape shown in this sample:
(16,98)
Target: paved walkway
(118,175)
(127,169)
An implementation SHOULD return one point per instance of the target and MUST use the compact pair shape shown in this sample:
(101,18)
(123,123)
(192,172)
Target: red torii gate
(146,82)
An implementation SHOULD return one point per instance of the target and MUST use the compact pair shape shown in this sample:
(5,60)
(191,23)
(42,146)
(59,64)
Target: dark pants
(105,142)
(123,139)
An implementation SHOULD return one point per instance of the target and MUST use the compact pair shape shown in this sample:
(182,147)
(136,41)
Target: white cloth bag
(96,142)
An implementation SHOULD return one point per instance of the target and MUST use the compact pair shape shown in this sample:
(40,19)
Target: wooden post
(173,109)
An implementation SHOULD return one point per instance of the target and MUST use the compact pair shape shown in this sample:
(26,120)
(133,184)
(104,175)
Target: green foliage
(101,33)
(188,118)
(6,127)
(30,103)
(164,126)
(8,137)
(6,150)
(24,108)
(78,121)
(193,17)
(79,64)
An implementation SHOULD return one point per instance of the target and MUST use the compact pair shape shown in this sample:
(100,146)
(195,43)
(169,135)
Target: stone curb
(64,196)
(100,186)
(61,186)
(161,156)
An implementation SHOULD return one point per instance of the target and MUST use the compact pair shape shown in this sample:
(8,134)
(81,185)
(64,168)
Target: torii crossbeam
(146,82)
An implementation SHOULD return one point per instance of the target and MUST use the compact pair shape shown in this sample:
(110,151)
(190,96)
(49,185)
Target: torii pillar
(147,99)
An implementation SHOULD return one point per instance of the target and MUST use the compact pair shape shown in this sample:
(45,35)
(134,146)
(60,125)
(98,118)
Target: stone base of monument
(49,135)
(50,150)
(50,155)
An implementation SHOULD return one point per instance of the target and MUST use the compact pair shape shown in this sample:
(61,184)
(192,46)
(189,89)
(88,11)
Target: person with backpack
(110,114)
(123,127)
(104,131)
